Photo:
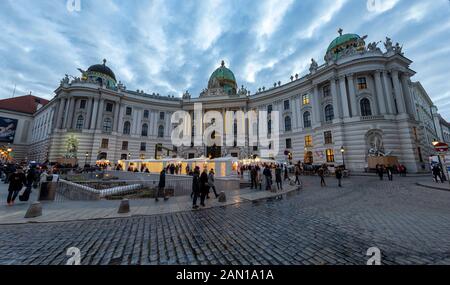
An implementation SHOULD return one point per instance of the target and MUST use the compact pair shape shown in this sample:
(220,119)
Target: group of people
(202,184)
(381,169)
(19,177)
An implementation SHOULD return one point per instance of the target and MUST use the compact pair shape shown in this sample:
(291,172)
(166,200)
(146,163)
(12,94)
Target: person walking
(195,187)
(321,174)
(286,173)
(437,174)
(278,178)
(297,174)
(389,172)
(16,181)
(253,174)
(204,188)
(161,186)
(380,171)
(268,175)
(338,174)
(211,183)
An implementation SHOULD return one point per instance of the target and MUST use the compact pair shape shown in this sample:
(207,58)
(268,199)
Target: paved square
(408,223)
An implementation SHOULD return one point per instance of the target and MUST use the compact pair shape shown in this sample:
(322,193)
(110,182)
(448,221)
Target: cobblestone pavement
(408,223)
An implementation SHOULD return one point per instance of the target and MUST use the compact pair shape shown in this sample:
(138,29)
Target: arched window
(107,125)
(80,122)
(144,132)
(329,113)
(307,119)
(161,132)
(126,128)
(365,107)
(287,124)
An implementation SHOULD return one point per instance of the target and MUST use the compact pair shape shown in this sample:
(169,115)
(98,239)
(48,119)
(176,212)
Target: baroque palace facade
(360,100)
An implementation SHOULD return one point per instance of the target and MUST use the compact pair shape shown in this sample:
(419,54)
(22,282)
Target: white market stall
(226,166)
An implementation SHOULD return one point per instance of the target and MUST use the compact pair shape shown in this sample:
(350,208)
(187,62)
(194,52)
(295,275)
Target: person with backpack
(16,181)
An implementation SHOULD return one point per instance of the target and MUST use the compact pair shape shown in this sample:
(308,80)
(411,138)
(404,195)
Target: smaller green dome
(223,77)
(343,39)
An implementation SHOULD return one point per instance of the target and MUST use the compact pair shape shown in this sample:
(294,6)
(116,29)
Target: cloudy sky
(168,47)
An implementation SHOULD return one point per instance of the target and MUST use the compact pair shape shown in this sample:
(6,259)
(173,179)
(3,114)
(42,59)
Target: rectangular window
(255,148)
(330,155)
(109,107)
(308,141)
(143,146)
(128,111)
(362,83)
(326,91)
(288,143)
(328,137)
(305,99)
(124,145)
(146,114)
(286,105)
(83,104)
(105,143)
(162,115)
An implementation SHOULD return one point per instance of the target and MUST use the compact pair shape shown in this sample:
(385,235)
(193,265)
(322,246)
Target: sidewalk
(437,186)
(66,210)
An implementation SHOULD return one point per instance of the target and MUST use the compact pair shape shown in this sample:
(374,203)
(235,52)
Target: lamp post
(86,155)
(343,158)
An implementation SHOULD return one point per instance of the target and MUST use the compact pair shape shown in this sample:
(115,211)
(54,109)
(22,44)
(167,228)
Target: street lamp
(129,156)
(342,152)
(86,155)
(9,150)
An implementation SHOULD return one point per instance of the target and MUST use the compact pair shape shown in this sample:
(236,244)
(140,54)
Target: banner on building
(7,130)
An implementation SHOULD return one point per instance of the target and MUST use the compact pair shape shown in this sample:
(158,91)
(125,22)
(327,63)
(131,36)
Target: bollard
(222,197)
(124,206)
(35,210)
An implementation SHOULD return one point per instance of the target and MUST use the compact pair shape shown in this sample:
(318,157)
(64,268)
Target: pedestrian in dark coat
(161,186)
(195,187)
(204,188)
(268,174)
(278,178)
(321,174)
(16,181)
(338,174)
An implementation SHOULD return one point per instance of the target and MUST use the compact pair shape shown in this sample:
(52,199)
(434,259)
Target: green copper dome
(343,39)
(223,77)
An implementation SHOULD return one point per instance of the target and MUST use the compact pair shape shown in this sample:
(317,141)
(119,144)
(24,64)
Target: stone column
(401,106)
(100,114)
(69,116)
(94,114)
(351,89)
(409,102)
(87,121)
(119,120)
(334,95)
(316,106)
(379,93)
(60,117)
(344,97)
(294,108)
(374,104)
(116,116)
(389,95)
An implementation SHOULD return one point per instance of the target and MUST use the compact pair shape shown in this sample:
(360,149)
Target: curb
(433,187)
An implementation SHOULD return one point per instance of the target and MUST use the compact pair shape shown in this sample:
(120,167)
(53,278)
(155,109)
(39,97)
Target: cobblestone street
(408,223)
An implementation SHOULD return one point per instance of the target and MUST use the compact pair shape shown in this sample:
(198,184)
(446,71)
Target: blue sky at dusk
(168,47)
